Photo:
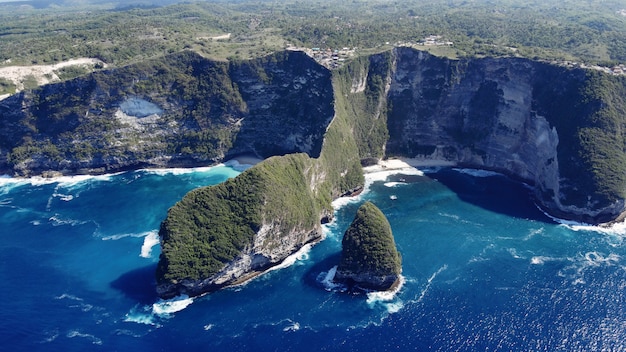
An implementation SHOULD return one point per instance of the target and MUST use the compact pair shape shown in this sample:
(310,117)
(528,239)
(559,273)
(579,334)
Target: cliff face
(523,118)
(181,110)
(560,130)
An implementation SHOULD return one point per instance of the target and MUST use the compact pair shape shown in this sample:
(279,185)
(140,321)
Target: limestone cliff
(554,128)
(369,258)
(180,110)
(560,130)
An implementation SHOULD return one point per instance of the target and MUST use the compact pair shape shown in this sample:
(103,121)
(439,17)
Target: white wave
(52,335)
(164,308)
(63,197)
(68,296)
(326,279)
(294,326)
(478,172)
(300,255)
(394,184)
(208,327)
(385,296)
(540,260)
(179,170)
(598,259)
(343,201)
(618,228)
(534,233)
(151,240)
(77,333)
(237,166)
(387,299)
(514,253)
(83,307)
(146,317)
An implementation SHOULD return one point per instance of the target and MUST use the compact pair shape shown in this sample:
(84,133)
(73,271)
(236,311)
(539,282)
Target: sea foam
(164,308)
(151,240)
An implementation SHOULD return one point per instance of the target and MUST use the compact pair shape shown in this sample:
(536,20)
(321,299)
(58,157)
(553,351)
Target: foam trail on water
(151,240)
(478,172)
(77,333)
(430,281)
(125,235)
(394,184)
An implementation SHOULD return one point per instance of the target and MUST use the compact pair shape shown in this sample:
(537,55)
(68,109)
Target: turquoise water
(484,269)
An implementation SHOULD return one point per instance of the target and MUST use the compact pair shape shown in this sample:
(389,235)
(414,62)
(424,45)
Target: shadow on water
(496,193)
(138,285)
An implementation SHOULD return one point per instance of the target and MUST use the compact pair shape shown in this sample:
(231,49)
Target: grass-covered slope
(211,226)
(369,256)
(269,211)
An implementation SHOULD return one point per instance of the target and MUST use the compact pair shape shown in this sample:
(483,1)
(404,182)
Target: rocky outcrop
(226,234)
(252,261)
(558,129)
(369,258)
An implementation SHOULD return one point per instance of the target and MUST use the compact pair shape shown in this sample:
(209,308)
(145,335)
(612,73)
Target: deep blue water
(484,270)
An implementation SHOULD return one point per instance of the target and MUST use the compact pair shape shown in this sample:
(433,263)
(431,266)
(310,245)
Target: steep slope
(555,128)
(560,130)
(181,110)
(369,257)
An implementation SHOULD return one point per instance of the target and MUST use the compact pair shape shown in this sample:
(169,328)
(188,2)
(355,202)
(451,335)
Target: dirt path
(44,74)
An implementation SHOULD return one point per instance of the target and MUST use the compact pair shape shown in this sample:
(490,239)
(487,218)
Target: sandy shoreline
(246,160)
(406,164)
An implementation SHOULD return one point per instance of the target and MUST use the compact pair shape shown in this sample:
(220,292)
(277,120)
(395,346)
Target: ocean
(484,270)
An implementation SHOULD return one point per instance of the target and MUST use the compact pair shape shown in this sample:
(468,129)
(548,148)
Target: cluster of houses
(330,58)
(435,40)
(615,70)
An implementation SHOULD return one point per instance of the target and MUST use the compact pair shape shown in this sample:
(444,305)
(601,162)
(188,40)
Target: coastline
(393,165)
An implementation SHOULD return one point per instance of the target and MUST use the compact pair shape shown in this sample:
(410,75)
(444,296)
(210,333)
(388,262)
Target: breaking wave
(164,308)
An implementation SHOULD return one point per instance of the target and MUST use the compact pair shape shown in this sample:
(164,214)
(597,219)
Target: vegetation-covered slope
(200,111)
(220,235)
(369,256)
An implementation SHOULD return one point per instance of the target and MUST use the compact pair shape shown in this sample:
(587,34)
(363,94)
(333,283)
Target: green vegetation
(210,227)
(570,30)
(368,245)
(588,109)
(362,84)
(6,86)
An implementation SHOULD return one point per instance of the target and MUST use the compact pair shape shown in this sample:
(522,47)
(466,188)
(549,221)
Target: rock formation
(558,129)
(369,258)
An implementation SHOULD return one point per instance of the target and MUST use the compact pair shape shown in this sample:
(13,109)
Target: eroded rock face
(502,115)
(178,111)
(369,258)
(252,261)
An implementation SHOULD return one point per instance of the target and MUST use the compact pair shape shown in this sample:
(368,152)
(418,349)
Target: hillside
(556,128)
